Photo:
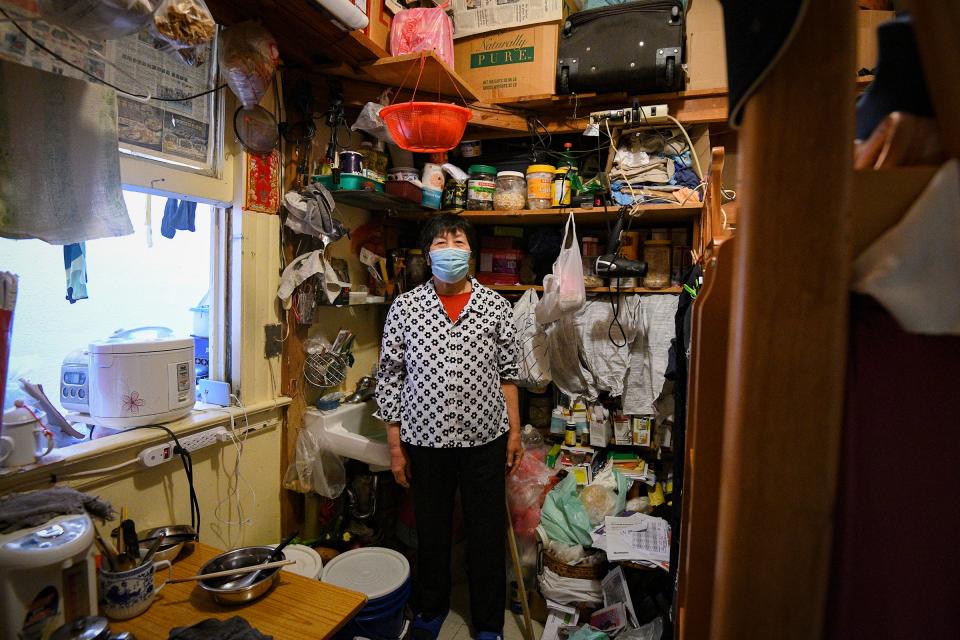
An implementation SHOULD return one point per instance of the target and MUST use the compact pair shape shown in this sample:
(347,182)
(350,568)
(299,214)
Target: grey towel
(33,508)
(235,628)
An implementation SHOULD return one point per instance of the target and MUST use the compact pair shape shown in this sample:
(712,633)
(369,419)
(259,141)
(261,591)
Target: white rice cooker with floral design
(134,378)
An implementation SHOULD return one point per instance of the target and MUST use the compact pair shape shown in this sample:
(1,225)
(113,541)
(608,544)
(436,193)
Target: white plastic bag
(531,342)
(99,19)
(563,290)
(315,468)
(369,121)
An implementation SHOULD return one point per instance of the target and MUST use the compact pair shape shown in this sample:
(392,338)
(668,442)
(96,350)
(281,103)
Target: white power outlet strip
(158,454)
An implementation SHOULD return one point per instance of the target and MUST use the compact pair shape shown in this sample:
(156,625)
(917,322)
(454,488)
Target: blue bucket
(384,576)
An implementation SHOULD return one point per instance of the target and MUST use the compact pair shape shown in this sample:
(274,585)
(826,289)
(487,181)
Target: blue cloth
(684,176)
(178,215)
(75,266)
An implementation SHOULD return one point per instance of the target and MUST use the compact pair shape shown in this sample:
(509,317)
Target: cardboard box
(706,47)
(867,22)
(380,18)
(472,17)
(511,63)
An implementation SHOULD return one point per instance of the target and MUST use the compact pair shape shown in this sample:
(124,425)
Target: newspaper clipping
(471,17)
(181,132)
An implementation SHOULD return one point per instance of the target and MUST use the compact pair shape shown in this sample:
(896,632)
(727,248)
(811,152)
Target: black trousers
(479,472)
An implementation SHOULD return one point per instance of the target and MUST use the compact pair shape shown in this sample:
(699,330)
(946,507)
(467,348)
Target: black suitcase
(637,47)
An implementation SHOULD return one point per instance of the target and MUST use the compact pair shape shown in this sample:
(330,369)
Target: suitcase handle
(583,17)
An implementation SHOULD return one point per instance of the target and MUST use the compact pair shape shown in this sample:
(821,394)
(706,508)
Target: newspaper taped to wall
(184,133)
(471,17)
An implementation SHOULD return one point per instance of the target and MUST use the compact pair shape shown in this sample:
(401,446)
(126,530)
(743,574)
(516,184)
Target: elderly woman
(446,389)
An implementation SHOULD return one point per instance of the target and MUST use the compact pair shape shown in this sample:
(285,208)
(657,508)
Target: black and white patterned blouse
(441,379)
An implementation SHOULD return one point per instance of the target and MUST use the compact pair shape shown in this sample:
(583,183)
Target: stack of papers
(637,538)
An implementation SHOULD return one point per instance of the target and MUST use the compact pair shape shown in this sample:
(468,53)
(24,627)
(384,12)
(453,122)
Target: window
(130,284)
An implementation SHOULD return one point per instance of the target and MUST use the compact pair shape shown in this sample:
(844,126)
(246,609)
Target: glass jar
(540,186)
(511,191)
(455,195)
(656,253)
(481,187)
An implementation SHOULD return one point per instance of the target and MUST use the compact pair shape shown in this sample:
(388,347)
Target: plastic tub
(540,186)
(384,576)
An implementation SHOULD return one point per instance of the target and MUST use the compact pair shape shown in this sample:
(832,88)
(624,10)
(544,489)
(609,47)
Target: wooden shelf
(378,201)
(437,77)
(651,214)
(537,287)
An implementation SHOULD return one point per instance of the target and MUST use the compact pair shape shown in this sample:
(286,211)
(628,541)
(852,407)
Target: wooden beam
(786,366)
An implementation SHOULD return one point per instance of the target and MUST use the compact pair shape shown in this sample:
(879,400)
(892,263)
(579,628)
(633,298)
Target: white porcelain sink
(352,432)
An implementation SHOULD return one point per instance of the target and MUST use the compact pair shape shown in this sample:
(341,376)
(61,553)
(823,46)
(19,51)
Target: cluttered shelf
(537,287)
(652,213)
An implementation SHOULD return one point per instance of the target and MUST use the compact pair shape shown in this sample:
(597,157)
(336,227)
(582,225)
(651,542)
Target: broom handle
(521,587)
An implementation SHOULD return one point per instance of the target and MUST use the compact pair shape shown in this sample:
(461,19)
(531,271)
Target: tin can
(351,162)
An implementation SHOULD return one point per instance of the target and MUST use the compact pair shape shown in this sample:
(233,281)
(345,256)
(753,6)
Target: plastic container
(561,187)
(480,187)
(511,193)
(384,576)
(540,186)
(656,253)
(426,127)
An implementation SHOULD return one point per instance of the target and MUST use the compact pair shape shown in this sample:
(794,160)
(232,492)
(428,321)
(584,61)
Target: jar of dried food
(455,195)
(656,253)
(480,187)
(540,185)
(511,191)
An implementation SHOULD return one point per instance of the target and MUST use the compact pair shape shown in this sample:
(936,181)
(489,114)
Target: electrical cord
(96,78)
(187,461)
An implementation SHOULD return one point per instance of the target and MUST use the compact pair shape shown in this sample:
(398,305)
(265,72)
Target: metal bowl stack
(239,589)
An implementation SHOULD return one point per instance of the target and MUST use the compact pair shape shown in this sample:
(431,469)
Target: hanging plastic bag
(315,468)
(370,122)
(563,517)
(531,342)
(563,290)
(248,57)
(179,24)
(430,29)
(99,19)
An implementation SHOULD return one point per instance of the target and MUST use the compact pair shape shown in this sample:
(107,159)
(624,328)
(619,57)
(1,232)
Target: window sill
(62,461)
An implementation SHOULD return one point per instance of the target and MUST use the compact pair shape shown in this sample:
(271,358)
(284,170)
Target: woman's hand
(514,450)
(400,465)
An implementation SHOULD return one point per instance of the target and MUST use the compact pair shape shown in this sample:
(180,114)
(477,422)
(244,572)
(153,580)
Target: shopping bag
(531,342)
(563,290)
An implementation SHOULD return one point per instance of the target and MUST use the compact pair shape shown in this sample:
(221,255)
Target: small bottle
(570,434)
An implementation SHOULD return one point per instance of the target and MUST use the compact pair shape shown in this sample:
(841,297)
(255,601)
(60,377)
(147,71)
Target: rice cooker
(133,378)
(47,577)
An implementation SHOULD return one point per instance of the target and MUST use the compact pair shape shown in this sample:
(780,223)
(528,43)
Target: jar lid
(510,174)
(481,168)
(561,170)
(541,168)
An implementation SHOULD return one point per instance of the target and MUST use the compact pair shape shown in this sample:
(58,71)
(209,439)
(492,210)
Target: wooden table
(295,608)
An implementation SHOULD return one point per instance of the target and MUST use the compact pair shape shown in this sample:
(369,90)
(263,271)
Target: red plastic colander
(426,127)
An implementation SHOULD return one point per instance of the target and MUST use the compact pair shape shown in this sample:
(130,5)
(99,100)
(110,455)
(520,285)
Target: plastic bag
(586,632)
(569,590)
(598,501)
(531,342)
(563,290)
(525,488)
(99,19)
(370,122)
(650,631)
(180,24)
(423,30)
(248,59)
(315,468)
(563,517)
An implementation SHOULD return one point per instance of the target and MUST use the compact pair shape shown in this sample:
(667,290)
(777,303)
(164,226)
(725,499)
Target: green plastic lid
(482,168)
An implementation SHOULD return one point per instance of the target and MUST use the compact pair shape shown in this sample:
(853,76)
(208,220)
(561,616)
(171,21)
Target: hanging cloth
(61,178)
(75,266)
(178,215)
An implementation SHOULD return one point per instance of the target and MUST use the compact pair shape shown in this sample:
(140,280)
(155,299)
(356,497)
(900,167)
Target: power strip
(158,454)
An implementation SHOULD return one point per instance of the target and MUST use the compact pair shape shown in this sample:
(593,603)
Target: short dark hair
(443,224)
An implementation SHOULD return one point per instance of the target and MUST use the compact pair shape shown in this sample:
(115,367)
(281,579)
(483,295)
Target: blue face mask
(450,265)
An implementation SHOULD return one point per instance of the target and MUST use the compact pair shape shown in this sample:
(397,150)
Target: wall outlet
(158,454)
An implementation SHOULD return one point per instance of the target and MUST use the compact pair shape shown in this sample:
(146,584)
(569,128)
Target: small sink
(352,432)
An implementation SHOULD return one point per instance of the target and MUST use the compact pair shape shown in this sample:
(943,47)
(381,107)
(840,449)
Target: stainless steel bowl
(178,538)
(226,590)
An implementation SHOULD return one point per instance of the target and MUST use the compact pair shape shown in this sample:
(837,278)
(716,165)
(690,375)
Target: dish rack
(327,366)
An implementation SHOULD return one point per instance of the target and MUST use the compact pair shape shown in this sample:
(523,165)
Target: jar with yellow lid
(540,186)
(562,188)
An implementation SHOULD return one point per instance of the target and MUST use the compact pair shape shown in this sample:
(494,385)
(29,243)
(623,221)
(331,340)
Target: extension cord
(158,454)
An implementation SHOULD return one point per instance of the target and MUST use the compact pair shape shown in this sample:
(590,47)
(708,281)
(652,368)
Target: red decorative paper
(262,188)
